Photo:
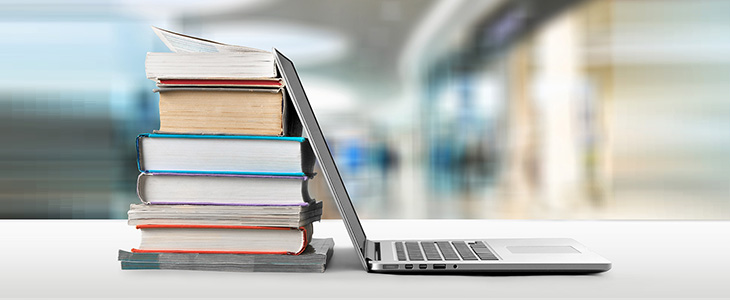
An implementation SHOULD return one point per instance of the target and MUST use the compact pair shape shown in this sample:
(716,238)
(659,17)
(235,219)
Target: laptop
(437,255)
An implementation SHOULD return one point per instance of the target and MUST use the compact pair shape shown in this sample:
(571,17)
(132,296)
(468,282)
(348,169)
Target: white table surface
(77,258)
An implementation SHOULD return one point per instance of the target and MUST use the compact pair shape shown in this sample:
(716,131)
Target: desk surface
(74,258)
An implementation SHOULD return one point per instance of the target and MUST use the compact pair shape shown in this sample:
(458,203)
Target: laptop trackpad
(541,249)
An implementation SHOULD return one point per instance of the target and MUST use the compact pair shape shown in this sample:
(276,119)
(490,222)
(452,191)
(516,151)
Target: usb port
(439,266)
(409,266)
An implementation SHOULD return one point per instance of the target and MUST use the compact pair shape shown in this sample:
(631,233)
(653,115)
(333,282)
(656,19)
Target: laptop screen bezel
(321,151)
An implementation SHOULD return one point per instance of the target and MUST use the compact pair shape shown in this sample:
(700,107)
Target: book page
(183,43)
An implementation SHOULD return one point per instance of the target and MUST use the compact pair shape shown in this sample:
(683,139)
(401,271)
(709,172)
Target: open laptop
(438,255)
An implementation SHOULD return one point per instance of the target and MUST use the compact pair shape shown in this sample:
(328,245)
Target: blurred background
(518,109)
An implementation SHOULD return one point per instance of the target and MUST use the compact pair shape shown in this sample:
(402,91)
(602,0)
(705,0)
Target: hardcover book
(222,189)
(178,238)
(214,154)
(221,111)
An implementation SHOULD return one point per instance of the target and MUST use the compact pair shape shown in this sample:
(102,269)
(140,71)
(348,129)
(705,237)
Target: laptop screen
(321,151)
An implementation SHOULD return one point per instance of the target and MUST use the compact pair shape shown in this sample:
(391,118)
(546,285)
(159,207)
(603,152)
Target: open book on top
(201,59)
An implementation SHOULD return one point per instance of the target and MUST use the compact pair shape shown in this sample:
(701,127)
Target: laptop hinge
(372,250)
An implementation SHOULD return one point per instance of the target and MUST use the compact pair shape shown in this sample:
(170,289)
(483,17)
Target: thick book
(225,110)
(178,238)
(313,259)
(248,215)
(222,65)
(222,189)
(224,154)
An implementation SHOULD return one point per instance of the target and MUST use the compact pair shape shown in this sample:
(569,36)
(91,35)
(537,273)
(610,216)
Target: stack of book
(223,182)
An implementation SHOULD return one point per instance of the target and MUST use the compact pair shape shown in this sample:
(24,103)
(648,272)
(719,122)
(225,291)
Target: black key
(447,251)
(482,251)
(487,256)
(414,251)
(464,251)
(400,251)
(431,252)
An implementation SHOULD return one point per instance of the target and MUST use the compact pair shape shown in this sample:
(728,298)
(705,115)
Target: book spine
(308,158)
(236,137)
(291,124)
(139,152)
(226,173)
(223,82)
(140,186)
(304,177)
(223,204)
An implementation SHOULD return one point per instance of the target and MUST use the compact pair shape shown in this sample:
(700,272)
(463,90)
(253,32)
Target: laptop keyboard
(443,250)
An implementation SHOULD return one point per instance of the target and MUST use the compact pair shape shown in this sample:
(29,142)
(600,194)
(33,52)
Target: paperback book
(248,215)
(313,259)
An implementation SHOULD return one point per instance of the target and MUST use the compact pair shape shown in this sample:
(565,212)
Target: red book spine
(273,83)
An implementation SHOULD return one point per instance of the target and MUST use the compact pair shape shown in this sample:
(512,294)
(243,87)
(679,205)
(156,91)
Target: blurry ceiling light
(306,45)
(162,9)
(449,19)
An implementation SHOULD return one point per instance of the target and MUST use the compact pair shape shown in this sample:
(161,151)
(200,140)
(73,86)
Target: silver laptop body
(439,255)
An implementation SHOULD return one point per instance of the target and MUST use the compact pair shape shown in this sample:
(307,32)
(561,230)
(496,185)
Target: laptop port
(439,266)
(422,266)
(409,266)
(390,267)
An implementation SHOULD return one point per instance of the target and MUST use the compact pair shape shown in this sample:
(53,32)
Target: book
(222,154)
(268,216)
(222,189)
(178,42)
(313,259)
(222,111)
(178,238)
(270,83)
(224,65)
